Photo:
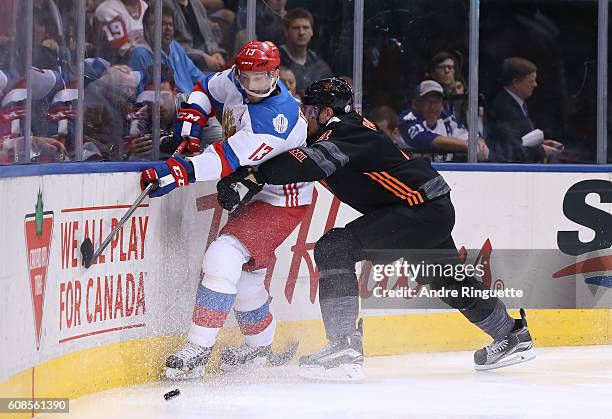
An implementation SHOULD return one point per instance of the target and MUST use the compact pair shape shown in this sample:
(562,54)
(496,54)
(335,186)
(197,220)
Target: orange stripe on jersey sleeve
(404,187)
(398,188)
(375,176)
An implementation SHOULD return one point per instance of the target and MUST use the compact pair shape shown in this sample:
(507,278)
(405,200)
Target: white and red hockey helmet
(256,68)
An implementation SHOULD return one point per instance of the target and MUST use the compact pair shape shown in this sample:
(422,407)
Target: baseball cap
(428,86)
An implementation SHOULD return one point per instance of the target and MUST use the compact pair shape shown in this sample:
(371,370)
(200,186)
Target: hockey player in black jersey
(405,205)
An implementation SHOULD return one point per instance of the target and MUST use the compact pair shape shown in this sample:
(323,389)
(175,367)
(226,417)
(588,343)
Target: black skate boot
(340,360)
(514,348)
(188,363)
(244,356)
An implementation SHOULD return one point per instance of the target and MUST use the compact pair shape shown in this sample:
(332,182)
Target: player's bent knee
(224,259)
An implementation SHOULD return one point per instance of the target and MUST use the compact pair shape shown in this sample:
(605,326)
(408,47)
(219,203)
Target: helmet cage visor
(257,83)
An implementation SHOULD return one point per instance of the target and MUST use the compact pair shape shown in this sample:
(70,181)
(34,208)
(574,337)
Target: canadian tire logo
(38,233)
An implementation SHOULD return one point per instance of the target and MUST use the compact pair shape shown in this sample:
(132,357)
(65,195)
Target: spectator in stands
(194,31)
(48,35)
(224,22)
(509,119)
(442,68)
(269,23)
(186,74)
(107,102)
(386,119)
(305,63)
(288,79)
(48,142)
(119,28)
(430,129)
(138,138)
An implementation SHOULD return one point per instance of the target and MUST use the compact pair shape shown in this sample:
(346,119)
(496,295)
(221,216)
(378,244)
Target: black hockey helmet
(333,92)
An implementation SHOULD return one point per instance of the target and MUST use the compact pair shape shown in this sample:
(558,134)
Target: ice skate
(340,360)
(244,356)
(514,348)
(188,363)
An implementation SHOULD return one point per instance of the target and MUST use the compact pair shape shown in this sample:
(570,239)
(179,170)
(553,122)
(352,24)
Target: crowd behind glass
(537,72)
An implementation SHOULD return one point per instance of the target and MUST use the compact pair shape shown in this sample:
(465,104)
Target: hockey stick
(87,248)
(281,358)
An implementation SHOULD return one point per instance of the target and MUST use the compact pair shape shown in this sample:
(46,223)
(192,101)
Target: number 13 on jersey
(261,152)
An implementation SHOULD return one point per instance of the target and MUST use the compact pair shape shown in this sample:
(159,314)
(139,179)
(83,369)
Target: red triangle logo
(38,233)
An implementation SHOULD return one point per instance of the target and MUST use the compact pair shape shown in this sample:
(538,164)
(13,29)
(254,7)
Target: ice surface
(561,382)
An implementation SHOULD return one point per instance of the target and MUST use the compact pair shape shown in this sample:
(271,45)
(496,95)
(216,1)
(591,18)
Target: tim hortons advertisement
(556,224)
(38,232)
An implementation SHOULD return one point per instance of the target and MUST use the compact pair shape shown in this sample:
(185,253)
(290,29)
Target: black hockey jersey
(360,165)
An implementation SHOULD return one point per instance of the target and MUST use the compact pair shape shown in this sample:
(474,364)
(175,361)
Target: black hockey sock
(339,316)
(338,286)
(497,324)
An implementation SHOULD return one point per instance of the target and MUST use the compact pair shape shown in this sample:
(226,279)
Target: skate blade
(342,373)
(181,375)
(516,358)
(257,362)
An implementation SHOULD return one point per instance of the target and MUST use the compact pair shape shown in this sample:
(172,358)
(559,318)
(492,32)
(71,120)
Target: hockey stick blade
(281,358)
(87,251)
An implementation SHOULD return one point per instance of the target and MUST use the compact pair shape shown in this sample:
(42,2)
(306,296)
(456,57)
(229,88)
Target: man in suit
(509,117)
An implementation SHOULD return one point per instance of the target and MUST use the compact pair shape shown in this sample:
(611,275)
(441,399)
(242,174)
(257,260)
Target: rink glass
(392,40)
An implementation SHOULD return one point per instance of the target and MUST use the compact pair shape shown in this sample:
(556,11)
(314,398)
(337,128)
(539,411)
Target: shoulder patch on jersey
(281,123)
(275,116)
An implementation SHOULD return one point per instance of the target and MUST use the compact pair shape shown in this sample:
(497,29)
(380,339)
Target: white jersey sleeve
(207,98)
(211,93)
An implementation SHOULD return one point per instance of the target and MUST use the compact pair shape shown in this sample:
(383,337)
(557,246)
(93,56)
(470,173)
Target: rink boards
(68,331)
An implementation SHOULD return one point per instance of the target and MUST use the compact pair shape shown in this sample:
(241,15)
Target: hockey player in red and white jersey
(260,120)
(119,24)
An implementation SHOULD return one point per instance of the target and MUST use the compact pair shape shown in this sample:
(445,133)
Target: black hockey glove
(238,188)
